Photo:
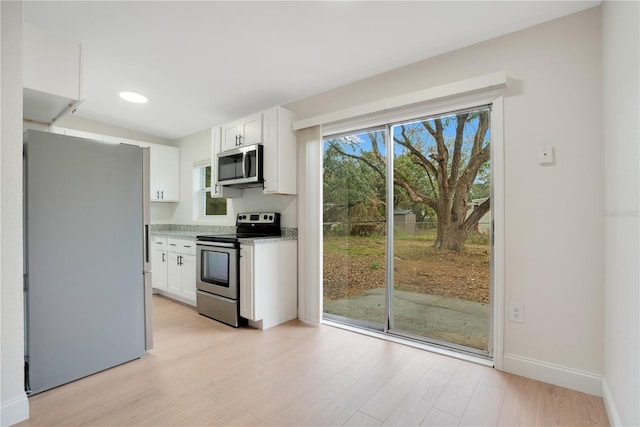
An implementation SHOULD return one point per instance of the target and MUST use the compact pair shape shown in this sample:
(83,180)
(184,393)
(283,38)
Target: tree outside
(440,165)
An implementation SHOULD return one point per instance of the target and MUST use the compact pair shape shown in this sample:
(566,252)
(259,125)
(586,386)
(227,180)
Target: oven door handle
(214,244)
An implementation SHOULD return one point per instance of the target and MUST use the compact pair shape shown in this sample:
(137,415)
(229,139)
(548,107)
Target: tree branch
(461,120)
(443,154)
(360,158)
(414,195)
(407,143)
(477,214)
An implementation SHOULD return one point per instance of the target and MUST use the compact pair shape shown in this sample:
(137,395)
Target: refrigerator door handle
(146,243)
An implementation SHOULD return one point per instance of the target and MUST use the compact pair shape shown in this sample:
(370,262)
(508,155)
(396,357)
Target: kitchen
(230,278)
(570,333)
(54,89)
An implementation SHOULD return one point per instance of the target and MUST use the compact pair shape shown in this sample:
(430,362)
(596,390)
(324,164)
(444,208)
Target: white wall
(554,236)
(621,72)
(197,147)
(14,406)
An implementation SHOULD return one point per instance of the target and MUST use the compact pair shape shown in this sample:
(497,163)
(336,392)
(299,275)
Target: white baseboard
(14,410)
(610,405)
(563,376)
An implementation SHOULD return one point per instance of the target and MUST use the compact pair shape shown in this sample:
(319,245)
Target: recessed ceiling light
(133,97)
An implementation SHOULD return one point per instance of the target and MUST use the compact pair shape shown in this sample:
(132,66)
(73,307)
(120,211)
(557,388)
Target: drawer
(159,243)
(187,247)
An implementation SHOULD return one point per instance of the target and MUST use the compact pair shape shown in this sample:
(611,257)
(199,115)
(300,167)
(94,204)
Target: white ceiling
(207,62)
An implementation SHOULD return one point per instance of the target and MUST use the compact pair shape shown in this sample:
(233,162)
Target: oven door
(217,269)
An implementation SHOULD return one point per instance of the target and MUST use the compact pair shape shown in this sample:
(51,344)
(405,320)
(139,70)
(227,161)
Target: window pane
(214,206)
(354,224)
(207,177)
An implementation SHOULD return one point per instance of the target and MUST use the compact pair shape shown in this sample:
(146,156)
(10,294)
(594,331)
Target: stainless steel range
(217,266)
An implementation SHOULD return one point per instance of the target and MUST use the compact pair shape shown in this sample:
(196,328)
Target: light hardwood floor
(203,373)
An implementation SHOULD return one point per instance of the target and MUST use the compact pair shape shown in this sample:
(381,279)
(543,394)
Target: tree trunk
(451,232)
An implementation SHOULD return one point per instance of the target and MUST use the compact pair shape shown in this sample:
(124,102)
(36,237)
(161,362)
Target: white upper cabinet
(218,190)
(52,75)
(246,131)
(280,152)
(164,173)
(271,128)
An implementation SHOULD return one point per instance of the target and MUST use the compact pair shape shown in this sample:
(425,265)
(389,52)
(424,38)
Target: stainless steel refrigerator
(87,275)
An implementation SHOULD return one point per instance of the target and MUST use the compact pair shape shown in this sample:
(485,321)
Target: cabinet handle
(162,194)
(158,194)
(162,256)
(239,139)
(180,256)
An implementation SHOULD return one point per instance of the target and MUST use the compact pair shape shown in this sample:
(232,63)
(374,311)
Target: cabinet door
(247,280)
(230,136)
(154,172)
(169,173)
(174,276)
(251,130)
(159,263)
(280,155)
(188,277)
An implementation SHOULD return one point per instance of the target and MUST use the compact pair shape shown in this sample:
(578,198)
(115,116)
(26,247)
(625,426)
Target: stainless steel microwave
(241,167)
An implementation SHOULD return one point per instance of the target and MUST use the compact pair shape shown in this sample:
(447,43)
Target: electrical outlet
(516,313)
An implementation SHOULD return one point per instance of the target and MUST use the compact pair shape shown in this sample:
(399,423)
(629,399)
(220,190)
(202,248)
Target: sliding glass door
(407,223)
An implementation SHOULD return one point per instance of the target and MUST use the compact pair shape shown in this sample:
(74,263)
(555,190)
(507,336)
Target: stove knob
(265,217)
(270,217)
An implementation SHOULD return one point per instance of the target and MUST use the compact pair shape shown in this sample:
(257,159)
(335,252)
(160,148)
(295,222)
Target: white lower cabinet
(159,262)
(181,271)
(268,282)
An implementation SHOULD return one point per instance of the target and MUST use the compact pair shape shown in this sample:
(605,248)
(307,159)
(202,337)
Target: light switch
(546,155)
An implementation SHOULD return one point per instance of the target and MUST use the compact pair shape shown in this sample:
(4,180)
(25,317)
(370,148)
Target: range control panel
(258,218)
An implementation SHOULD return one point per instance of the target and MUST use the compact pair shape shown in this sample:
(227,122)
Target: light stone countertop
(191,233)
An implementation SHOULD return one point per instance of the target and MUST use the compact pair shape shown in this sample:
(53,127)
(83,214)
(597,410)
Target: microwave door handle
(245,159)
